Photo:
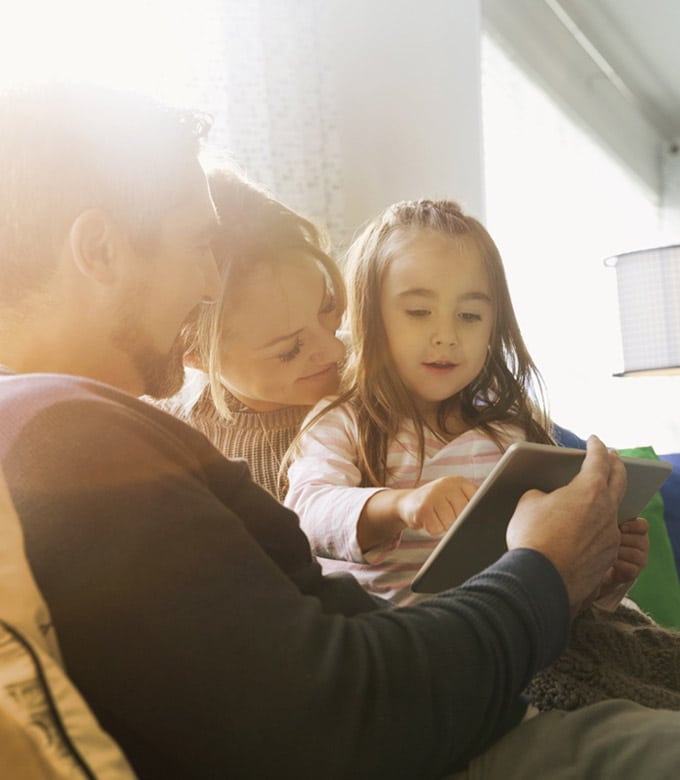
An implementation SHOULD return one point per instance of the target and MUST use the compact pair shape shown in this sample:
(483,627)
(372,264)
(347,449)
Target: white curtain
(265,78)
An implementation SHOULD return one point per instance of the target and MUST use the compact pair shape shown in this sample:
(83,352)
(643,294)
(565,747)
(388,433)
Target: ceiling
(615,64)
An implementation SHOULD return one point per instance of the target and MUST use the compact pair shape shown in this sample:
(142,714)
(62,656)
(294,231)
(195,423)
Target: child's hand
(631,560)
(434,507)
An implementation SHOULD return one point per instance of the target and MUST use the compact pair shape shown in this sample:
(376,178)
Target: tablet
(477,537)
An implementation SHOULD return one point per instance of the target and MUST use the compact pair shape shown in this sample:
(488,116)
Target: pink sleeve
(324,483)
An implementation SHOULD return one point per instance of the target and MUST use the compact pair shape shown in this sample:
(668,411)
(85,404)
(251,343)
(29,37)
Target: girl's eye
(468,316)
(292,353)
(417,312)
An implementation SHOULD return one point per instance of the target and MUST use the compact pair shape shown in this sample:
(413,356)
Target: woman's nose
(328,348)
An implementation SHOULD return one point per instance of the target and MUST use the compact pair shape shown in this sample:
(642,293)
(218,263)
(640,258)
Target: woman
(268,351)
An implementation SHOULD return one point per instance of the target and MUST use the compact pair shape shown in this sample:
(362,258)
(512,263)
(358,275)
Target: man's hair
(67,148)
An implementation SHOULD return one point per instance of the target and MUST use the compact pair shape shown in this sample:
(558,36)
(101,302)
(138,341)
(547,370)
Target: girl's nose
(444,338)
(444,330)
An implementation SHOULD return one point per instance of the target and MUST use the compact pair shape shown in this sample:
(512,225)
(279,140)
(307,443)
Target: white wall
(408,89)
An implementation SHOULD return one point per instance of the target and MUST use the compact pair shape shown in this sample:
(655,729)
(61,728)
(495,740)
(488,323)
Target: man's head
(103,208)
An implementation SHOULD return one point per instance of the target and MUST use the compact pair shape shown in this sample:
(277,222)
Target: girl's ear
(95,241)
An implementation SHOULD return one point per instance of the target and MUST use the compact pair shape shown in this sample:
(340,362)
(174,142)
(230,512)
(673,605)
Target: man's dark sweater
(194,620)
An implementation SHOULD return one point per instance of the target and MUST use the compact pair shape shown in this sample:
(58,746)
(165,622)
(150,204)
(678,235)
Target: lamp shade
(648,284)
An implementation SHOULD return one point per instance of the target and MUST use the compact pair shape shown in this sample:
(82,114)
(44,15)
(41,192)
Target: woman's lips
(325,372)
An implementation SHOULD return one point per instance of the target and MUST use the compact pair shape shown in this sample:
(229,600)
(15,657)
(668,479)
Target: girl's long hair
(509,390)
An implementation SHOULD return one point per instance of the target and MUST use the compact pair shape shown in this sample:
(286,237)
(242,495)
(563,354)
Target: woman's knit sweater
(260,438)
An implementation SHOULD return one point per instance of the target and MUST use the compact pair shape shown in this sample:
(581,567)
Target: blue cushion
(670,492)
(566,438)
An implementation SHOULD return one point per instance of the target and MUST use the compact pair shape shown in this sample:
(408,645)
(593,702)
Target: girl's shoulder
(328,411)
(331,413)
(328,426)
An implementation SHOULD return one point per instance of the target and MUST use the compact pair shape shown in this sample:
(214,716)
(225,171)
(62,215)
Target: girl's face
(438,314)
(280,347)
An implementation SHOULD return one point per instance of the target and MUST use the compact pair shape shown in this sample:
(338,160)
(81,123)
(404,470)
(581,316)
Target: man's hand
(575,527)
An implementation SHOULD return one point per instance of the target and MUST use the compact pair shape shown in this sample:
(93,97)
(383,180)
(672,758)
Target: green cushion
(657,590)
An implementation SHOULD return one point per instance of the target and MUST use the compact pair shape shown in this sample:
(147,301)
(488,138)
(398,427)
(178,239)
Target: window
(557,205)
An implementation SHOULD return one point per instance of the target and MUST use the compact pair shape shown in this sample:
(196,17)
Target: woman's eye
(417,312)
(285,357)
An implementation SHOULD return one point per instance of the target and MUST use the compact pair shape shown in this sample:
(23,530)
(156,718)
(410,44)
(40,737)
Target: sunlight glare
(147,45)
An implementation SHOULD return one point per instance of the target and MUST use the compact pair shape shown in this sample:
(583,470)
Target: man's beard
(162,374)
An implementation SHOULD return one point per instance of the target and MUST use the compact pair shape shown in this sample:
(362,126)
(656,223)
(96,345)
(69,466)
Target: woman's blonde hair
(507,391)
(255,228)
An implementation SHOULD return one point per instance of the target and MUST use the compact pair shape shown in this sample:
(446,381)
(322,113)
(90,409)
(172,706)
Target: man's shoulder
(43,390)
(54,421)
(70,406)
(24,397)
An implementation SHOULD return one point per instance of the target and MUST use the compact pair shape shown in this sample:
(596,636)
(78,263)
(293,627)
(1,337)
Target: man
(189,611)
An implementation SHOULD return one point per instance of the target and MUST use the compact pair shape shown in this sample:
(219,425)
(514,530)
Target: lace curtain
(264,74)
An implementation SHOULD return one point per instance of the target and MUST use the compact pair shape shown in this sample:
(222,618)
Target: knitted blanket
(612,655)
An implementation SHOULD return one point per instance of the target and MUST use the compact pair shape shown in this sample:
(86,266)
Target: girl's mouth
(440,366)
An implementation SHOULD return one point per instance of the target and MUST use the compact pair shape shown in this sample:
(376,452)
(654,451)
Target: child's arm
(631,560)
(344,521)
(432,508)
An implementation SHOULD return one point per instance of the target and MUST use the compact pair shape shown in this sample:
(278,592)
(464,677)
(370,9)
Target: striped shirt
(324,491)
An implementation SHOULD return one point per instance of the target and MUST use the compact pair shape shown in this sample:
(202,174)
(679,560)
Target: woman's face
(279,346)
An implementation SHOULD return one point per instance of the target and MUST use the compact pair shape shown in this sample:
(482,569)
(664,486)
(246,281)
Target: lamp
(648,283)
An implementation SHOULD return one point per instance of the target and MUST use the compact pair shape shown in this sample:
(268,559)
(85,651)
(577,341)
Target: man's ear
(192,359)
(95,240)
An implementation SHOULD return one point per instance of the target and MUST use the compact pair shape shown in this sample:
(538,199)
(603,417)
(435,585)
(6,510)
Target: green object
(657,589)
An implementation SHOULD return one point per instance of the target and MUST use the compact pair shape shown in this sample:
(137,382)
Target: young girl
(438,384)
(268,351)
